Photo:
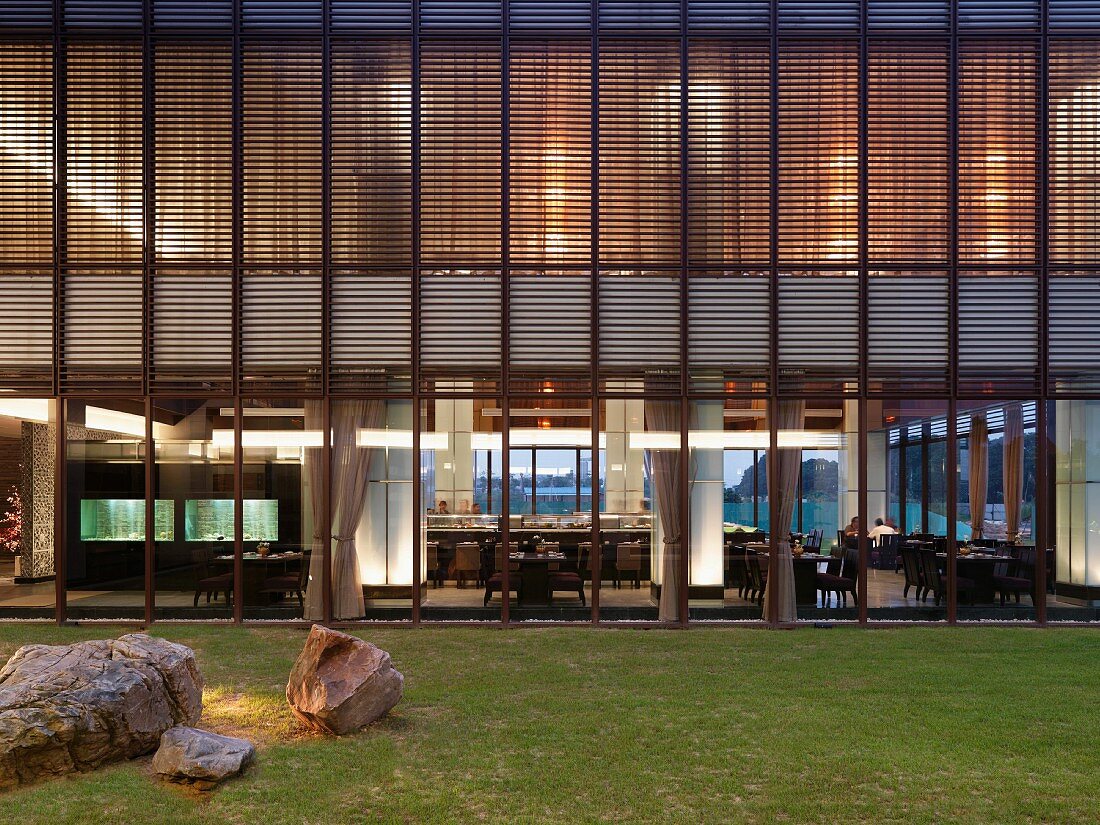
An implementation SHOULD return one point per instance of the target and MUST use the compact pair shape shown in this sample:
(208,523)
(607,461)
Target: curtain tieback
(675,540)
(344,538)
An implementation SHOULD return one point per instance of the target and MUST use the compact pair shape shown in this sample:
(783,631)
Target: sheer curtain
(978,443)
(664,417)
(313,609)
(790,417)
(1013,468)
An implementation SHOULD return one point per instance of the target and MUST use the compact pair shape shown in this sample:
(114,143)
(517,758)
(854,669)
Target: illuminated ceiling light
(115,421)
(29,409)
(265,412)
(270,438)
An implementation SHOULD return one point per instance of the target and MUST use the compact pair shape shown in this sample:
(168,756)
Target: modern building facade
(548,310)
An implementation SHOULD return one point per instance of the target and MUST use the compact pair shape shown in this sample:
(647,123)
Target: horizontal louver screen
(639,329)
(208,15)
(550,138)
(735,15)
(460,182)
(729,334)
(103,179)
(819,320)
(639,14)
(460,326)
(1074,152)
(549,328)
(818,153)
(281,14)
(1073,305)
(27,13)
(998,333)
(1016,15)
(193,174)
(103,14)
(907,174)
(1073,14)
(914,16)
(822,15)
(998,122)
(371,153)
(729,153)
(550,15)
(26,328)
(370,15)
(371,330)
(192,330)
(26,154)
(282,153)
(460,14)
(101,329)
(281,333)
(907,332)
(639,134)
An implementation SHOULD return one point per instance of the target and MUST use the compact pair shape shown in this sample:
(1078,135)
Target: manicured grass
(578,725)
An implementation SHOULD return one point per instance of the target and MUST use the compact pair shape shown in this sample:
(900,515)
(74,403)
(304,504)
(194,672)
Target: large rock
(75,707)
(199,757)
(341,683)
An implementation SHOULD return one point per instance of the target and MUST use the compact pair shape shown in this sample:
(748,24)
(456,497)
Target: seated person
(476,511)
(441,509)
(853,527)
(880,529)
(463,508)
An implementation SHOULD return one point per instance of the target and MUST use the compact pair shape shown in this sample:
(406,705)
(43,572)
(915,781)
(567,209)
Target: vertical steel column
(952,303)
(925,474)
(60,553)
(60,119)
(238,256)
(148,198)
(864,289)
(771,462)
(505,273)
(238,511)
(685,406)
(325,531)
(1041,517)
(903,469)
(505,474)
(1040,521)
(596,558)
(325,528)
(414,331)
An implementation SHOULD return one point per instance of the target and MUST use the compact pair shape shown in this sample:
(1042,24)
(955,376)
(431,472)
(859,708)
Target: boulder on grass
(340,683)
(201,758)
(68,708)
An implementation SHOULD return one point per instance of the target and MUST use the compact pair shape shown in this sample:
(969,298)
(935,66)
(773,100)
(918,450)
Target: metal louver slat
(192,330)
(460,183)
(819,319)
(193,175)
(371,158)
(552,15)
(282,153)
(907,174)
(1066,15)
(818,153)
(821,15)
(460,325)
(26,154)
(1073,304)
(639,14)
(639,332)
(371,330)
(998,332)
(1015,15)
(36,14)
(908,15)
(729,334)
(1073,130)
(907,333)
(370,16)
(103,14)
(732,15)
(460,15)
(639,139)
(26,328)
(208,16)
(550,125)
(101,330)
(281,330)
(281,14)
(554,344)
(729,152)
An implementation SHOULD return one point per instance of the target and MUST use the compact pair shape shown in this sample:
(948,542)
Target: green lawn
(579,725)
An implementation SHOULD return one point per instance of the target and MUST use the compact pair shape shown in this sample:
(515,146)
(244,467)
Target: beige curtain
(1013,468)
(790,415)
(314,609)
(978,443)
(664,416)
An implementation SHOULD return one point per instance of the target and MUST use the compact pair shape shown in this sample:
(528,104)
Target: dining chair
(910,564)
(935,581)
(206,581)
(1017,576)
(436,573)
(289,582)
(842,583)
(628,563)
(467,562)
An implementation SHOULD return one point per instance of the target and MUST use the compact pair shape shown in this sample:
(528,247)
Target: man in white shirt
(880,529)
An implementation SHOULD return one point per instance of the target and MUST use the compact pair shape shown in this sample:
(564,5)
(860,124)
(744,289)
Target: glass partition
(105,509)
(193,486)
(461,497)
(28,453)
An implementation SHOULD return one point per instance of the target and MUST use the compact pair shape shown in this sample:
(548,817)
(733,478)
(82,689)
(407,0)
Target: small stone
(201,758)
(341,683)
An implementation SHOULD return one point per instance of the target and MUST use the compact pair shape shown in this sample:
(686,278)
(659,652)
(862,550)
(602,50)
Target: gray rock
(68,708)
(201,758)
(340,683)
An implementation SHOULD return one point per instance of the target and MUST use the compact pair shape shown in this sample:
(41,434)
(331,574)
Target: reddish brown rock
(340,683)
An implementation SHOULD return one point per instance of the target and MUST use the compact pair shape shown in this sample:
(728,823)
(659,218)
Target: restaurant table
(257,569)
(979,568)
(805,573)
(535,570)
